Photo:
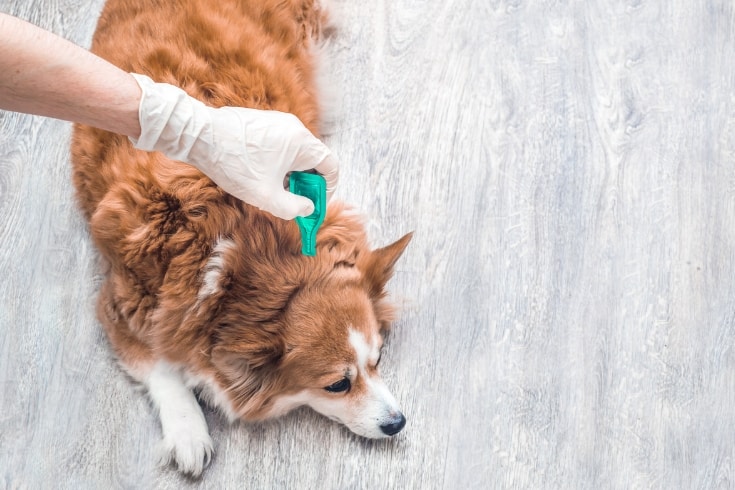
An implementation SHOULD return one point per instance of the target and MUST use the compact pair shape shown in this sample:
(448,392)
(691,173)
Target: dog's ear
(377,269)
(378,266)
(253,346)
(246,359)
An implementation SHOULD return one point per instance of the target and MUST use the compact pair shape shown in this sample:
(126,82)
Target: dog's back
(155,220)
(145,209)
(247,53)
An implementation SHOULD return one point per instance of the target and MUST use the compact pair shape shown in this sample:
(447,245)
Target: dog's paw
(189,449)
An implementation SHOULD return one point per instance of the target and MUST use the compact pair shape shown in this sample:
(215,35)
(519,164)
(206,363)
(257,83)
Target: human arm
(247,152)
(44,74)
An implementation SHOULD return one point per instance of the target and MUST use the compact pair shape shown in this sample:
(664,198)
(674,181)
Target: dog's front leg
(185,435)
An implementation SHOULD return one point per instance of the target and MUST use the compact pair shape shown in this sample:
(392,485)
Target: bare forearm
(43,74)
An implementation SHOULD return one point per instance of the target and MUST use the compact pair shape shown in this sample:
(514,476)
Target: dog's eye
(340,386)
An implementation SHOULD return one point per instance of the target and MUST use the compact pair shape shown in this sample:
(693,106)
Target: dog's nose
(395,426)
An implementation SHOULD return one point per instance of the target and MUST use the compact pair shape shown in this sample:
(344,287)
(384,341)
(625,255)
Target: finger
(310,150)
(329,169)
(286,205)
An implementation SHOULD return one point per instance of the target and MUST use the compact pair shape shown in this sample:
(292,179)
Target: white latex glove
(247,152)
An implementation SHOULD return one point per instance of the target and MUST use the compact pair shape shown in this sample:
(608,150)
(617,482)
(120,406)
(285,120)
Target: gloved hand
(247,152)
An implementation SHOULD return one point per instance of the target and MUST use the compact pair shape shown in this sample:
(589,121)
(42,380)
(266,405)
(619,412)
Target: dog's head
(295,330)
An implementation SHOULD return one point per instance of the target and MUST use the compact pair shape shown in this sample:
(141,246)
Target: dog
(205,295)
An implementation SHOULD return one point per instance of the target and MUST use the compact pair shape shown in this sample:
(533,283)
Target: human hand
(247,152)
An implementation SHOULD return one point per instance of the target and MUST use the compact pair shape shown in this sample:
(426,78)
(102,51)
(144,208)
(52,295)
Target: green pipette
(314,187)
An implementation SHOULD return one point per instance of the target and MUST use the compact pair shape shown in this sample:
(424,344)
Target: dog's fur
(203,291)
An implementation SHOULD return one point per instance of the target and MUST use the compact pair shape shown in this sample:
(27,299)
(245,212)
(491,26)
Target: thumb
(286,205)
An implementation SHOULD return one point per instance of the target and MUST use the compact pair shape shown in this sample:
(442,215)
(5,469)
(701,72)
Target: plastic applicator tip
(314,187)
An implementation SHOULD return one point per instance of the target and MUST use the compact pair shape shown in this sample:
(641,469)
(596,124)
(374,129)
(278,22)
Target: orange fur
(275,323)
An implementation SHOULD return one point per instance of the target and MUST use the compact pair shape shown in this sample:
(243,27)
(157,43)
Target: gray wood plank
(567,301)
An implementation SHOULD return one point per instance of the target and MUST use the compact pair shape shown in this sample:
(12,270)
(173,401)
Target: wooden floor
(568,299)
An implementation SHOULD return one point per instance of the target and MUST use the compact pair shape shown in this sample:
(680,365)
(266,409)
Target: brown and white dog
(204,293)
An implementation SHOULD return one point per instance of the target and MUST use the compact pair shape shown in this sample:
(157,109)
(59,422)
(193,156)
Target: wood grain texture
(568,299)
